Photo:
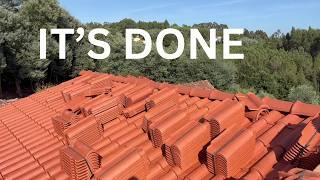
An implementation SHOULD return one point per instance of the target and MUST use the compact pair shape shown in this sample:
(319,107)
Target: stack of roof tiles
(103,126)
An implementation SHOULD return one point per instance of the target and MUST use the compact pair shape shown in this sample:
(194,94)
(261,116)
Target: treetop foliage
(285,66)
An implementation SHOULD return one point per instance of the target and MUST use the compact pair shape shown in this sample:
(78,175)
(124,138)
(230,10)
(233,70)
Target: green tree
(304,93)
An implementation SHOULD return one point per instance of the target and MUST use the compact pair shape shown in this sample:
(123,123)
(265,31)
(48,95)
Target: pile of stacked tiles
(112,127)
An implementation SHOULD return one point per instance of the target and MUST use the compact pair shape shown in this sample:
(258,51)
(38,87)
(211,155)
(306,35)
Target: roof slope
(111,127)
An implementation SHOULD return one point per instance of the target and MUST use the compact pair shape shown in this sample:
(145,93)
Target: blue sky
(268,15)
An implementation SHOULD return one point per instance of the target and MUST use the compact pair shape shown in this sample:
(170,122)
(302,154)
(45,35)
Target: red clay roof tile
(164,129)
(98,126)
(217,143)
(134,165)
(199,173)
(278,105)
(225,115)
(199,92)
(183,150)
(232,158)
(74,164)
(219,95)
(264,166)
(255,115)
(185,90)
(300,108)
(251,101)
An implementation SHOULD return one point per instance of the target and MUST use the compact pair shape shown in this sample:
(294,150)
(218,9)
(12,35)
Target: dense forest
(285,66)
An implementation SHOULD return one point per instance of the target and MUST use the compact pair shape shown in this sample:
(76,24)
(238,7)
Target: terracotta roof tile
(92,158)
(162,96)
(217,143)
(300,108)
(251,101)
(199,173)
(134,165)
(278,105)
(265,122)
(219,95)
(199,92)
(231,158)
(163,129)
(192,141)
(225,115)
(185,90)
(74,164)
(86,130)
(99,125)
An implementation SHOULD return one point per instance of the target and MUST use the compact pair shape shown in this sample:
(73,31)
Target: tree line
(282,65)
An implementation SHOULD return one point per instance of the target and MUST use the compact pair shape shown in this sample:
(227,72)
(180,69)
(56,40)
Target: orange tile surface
(101,126)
